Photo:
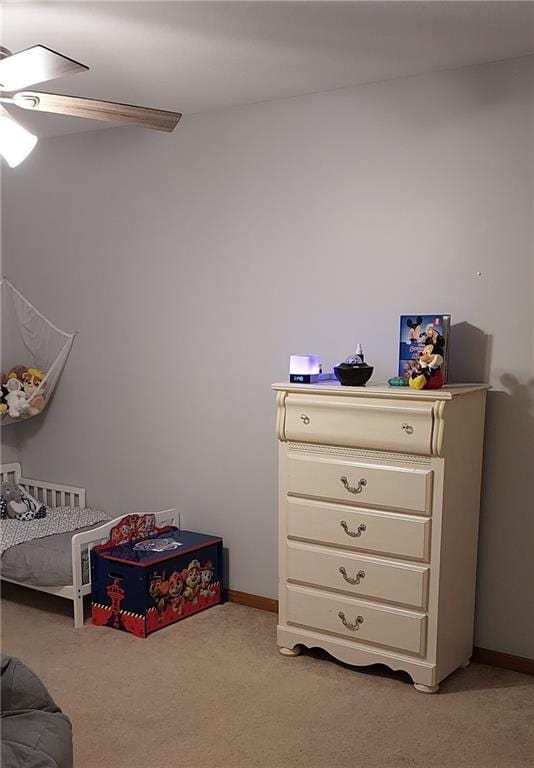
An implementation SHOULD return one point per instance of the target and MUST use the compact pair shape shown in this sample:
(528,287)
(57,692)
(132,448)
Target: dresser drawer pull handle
(305,419)
(353,627)
(352,488)
(356,580)
(408,429)
(361,528)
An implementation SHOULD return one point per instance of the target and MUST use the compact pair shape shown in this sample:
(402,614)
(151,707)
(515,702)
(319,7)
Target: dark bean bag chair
(34,732)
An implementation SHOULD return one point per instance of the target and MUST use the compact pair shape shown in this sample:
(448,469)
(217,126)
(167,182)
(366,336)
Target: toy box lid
(188,541)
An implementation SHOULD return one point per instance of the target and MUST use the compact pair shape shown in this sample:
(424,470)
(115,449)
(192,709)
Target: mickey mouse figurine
(428,373)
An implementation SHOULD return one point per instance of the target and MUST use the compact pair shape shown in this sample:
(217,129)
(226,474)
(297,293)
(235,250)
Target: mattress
(45,562)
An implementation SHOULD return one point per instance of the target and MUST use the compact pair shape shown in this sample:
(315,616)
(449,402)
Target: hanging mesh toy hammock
(33,355)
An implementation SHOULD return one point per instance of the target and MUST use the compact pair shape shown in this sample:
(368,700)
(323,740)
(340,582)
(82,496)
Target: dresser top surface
(332,387)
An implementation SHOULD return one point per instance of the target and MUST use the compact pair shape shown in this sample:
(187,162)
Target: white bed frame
(55,495)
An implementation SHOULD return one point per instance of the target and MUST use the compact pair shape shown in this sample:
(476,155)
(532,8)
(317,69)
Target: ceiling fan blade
(158,119)
(35,65)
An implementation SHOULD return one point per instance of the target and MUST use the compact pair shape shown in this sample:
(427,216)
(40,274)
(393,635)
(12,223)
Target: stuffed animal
(33,375)
(15,399)
(3,392)
(17,372)
(428,373)
(18,392)
(31,382)
(18,505)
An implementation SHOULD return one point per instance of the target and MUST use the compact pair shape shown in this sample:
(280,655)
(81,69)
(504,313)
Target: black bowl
(353,375)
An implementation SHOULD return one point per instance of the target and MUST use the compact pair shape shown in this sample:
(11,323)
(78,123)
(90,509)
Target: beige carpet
(213,692)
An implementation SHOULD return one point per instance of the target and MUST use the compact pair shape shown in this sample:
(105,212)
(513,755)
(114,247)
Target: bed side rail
(10,473)
(53,494)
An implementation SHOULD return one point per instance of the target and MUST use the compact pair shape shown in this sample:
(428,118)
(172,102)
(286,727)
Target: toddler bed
(59,563)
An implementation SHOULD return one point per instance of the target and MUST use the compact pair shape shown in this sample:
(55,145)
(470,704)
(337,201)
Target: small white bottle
(359,352)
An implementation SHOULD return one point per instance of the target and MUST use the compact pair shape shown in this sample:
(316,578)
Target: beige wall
(193,265)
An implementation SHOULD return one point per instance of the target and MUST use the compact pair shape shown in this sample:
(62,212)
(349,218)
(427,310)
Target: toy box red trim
(143,625)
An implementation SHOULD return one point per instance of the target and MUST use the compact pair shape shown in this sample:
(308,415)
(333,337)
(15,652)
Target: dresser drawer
(361,422)
(359,575)
(356,619)
(366,484)
(386,533)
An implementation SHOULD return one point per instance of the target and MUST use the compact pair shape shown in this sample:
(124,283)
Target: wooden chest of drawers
(378,524)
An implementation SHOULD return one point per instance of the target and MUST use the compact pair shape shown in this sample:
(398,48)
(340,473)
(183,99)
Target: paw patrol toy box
(145,578)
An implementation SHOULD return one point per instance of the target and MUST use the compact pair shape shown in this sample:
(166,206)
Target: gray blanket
(45,562)
(35,733)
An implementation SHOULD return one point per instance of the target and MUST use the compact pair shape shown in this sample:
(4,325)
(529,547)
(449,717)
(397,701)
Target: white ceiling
(195,56)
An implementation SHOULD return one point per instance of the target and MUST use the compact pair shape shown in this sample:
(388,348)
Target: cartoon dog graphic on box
(206,578)
(176,590)
(182,587)
(192,581)
(159,590)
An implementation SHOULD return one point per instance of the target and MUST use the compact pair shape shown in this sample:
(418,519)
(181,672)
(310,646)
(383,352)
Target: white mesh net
(33,353)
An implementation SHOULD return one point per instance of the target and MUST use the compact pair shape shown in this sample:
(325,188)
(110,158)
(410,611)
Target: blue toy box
(146,578)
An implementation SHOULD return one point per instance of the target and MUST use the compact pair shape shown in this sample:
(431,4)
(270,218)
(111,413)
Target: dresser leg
(426,688)
(466,664)
(296,651)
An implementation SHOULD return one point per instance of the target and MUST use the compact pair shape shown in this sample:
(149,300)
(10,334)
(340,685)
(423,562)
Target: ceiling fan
(39,64)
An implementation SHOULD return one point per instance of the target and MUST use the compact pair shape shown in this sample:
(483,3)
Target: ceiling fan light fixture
(39,64)
(16,142)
